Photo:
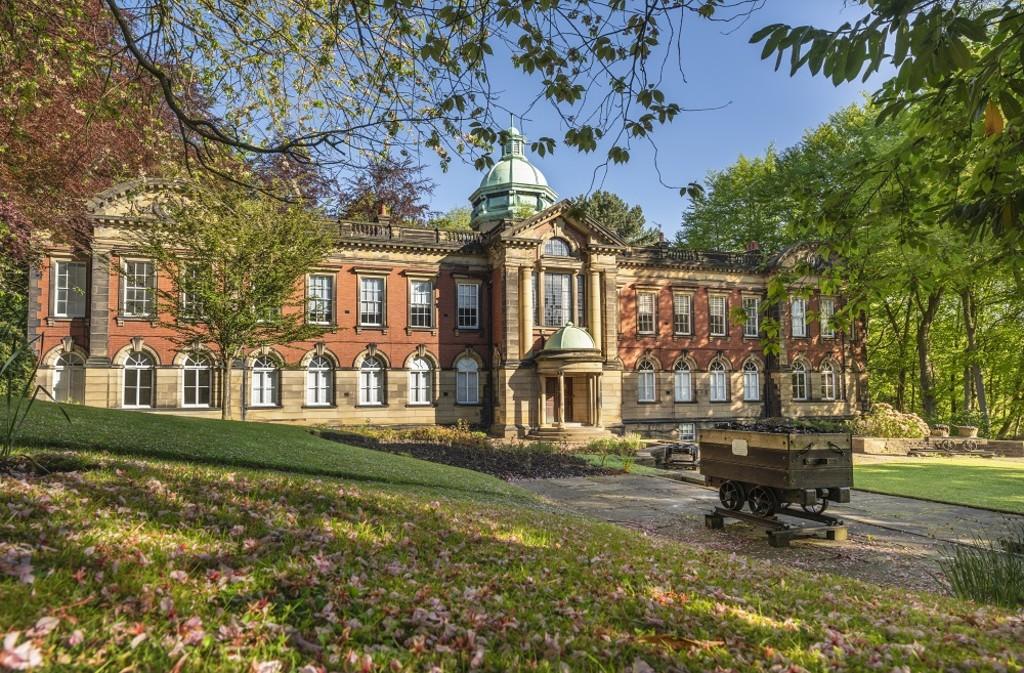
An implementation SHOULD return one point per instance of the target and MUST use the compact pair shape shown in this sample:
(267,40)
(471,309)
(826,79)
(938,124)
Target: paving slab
(892,540)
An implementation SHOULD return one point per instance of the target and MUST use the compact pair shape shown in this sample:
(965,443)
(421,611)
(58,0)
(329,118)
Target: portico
(569,371)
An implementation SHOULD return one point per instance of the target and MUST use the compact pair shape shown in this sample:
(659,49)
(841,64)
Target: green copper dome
(570,338)
(513,188)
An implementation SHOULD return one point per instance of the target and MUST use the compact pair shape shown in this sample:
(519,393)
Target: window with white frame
(799,379)
(557,247)
(319,382)
(371,381)
(467,381)
(138,280)
(718,380)
(683,382)
(751,381)
(827,311)
(645,312)
(645,382)
(265,374)
(557,299)
(196,381)
(798,313)
(682,314)
(421,303)
(320,302)
(371,301)
(69,289)
(468,308)
(752,307)
(69,378)
(191,307)
(688,432)
(421,381)
(828,381)
(138,380)
(718,309)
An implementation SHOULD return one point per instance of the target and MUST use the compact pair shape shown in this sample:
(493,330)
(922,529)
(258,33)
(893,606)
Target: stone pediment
(562,214)
(132,199)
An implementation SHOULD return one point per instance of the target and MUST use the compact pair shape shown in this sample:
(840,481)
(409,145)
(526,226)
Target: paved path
(892,540)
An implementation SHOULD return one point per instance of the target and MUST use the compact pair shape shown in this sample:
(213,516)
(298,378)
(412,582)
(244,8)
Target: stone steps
(570,434)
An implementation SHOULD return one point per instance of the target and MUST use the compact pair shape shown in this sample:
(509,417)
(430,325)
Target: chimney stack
(383,213)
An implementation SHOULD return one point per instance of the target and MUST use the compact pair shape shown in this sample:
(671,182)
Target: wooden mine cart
(767,471)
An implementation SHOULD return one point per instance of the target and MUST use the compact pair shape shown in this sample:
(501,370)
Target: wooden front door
(550,395)
(567,402)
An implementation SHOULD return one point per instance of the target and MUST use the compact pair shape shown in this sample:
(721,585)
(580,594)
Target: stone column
(598,400)
(540,400)
(610,324)
(526,312)
(594,306)
(591,401)
(99,309)
(560,402)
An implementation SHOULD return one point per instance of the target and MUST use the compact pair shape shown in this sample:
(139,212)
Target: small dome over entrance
(570,338)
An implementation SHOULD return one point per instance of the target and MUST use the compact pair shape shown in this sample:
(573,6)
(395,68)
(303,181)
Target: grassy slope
(994,483)
(146,563)
(252,445)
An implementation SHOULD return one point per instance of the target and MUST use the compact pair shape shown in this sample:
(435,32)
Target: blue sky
(761,107)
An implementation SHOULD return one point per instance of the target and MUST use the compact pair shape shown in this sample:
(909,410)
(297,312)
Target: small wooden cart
(770,472)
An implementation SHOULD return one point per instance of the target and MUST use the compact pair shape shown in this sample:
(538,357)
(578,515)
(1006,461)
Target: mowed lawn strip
(995,483)
(240,444)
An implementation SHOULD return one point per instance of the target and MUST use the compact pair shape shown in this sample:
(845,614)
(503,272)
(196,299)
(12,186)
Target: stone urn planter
(966,430)
(940,431)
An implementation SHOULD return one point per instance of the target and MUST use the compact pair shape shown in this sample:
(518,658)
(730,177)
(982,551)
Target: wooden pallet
(780,532)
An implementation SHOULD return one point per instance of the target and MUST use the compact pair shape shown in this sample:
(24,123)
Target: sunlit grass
(996,483)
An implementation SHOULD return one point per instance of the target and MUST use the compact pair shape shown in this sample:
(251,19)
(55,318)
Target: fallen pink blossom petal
(19,657)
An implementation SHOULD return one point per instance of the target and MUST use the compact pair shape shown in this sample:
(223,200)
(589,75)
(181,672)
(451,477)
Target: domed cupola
(512,188)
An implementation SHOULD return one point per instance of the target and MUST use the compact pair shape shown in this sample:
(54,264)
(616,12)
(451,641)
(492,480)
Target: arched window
(557,247)
(751,382)
(371,382)
(467,381)
(799,381)
(264,382)
(421,381)
(719,382)
(196,381)
(828,381)
(138,380)
(684,382)
(319,382)
(645,382)
(69,378)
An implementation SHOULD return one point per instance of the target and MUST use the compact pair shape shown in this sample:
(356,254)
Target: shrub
(989,572)
(885,421)
(625,447)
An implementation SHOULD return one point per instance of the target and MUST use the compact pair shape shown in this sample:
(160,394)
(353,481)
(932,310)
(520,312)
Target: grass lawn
(616,463)
(997,483)
(142,563)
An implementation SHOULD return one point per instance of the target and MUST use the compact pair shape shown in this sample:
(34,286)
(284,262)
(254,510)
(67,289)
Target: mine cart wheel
(817,508)
(732,494)
(763,501)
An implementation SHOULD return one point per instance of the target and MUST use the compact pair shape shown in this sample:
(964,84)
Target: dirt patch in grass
(41,464)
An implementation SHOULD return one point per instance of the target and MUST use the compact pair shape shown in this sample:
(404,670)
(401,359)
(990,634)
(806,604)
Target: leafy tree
(398,185)
(627,221)
(234,260)
(456,219)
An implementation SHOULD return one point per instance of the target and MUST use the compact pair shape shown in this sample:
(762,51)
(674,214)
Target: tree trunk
(924,364)
(971,329)
(900,335)
(225,388)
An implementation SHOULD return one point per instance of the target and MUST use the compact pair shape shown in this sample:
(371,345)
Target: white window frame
(319,382)
(798,382)
(368,298)
(147,290)
(66,294)
(548,244)
(683,379)
(752,325)
(828,330)
(467,381)
(266,382)
(715,315)
(320,298)
(718,382)
(646,382)
(467,313)
(421,381)
(134,363)
(414,303)
(687,432)
(558,311)
(372,377)
(828,382)
(190,308)
(751,382)
(798,317)
(194,365)
(684,301)
(646,316)
(69,378)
